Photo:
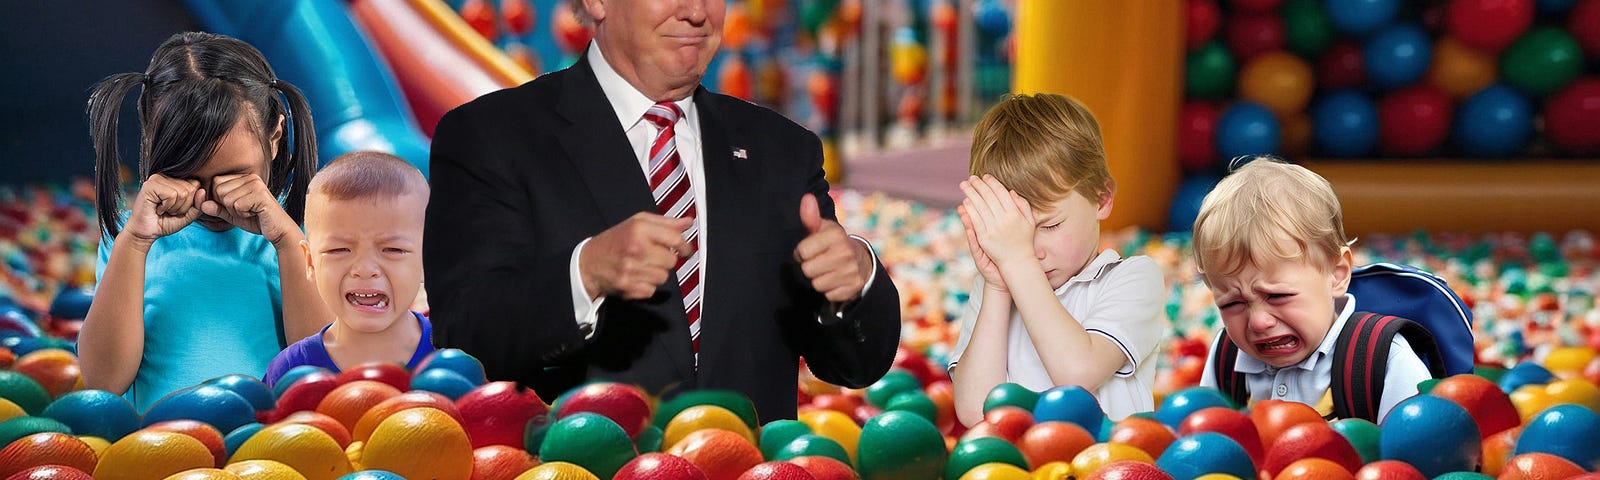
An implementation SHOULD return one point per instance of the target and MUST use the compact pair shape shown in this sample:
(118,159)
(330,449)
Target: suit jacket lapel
(730,206)
(599,150)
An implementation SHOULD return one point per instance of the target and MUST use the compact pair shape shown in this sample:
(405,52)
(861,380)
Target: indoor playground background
(1462,137)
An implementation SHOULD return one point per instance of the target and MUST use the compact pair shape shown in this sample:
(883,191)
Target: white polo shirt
(1308,381)
(1120,299)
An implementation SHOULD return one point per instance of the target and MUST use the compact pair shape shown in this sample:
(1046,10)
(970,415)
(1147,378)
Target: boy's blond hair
(368,174)
(1043,146)
(1268,211)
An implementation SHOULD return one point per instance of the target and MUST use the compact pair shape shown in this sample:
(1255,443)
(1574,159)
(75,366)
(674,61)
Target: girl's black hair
(198,85)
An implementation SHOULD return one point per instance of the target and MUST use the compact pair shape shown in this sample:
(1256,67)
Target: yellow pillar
(1122,58)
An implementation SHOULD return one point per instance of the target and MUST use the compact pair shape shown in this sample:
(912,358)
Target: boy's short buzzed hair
(368,174)
(1267,211)
(1044,146)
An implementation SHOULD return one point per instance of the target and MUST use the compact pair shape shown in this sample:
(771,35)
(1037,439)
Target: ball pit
(1533,297)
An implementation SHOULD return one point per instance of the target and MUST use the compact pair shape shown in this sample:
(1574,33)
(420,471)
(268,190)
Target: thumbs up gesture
(837,265)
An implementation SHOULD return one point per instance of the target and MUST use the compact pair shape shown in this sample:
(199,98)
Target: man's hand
(244,201)
(837,265)
(634,257)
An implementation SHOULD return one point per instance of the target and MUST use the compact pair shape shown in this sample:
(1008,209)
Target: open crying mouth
(1284,343)
(368,299)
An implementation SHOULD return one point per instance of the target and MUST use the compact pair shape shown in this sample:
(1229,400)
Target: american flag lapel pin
(740,154)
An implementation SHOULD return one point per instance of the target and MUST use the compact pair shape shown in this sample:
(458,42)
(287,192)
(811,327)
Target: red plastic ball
(1251,34)
(1583,22)
(1572,117)
(1197,123)
(519,16)
(1256,6)
(1489,25)
(1201,22)
(479,14)
(1414,120)
(1341,67)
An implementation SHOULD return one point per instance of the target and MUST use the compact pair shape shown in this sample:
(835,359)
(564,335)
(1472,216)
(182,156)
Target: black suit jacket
(520,176)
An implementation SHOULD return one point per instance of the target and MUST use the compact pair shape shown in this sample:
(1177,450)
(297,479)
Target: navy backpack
(1413,303)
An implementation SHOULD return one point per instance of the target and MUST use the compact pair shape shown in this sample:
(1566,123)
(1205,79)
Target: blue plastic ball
(372,475)
(1525,373)
(237,437)
(991,17)
(260,397)
(1433,434)
(292,376)
(1071,404)
(1362,17)
(1205,453)
(95,413)
(219,407)
(1397,56)
(1567,431)
(442,381)
(1178,406)
(72,303)
(454,359)
(1247,128)
(1344,124)
(1495,122)
(1185,204)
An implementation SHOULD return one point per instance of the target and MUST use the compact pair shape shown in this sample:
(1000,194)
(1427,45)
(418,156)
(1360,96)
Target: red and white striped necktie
(669,184)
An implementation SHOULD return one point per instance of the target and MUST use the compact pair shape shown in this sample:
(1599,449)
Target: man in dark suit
(615,220)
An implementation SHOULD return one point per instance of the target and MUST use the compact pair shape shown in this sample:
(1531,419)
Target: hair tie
(144,78)
(273,83)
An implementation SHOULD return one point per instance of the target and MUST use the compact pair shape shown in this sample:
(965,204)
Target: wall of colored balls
(1386,81)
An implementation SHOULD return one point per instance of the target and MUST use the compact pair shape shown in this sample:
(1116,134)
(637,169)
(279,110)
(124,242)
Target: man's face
(664,44)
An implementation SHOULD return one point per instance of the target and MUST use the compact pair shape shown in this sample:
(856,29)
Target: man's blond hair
(1044,146)
(1268,211)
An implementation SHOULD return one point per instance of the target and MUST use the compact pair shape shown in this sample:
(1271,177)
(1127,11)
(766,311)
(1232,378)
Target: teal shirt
(212,307)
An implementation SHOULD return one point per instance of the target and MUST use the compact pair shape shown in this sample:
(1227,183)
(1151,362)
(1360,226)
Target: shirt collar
(1345,305)
(1096,268)
(627,102)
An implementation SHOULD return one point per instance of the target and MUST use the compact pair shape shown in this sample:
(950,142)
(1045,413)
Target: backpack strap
(1361,361)
(1230,382)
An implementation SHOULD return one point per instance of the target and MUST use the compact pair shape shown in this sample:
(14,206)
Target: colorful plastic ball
(1255,6)
(1247,128)
(1362,435)
(1414,120)
(1149,435)
(1488,25)
(1542,61)
(1053,442)
(1397,56)
(1229,422)
(1310,440)
(1252,34)
(1186,202)
(1208,72)
(1460,70)
(218,407)
(900,444)
(991,17)
(1525,373)
(1071,404)
(1568,431)
(1309,29)
(1010,395)
(1463,475)
(1584,24)
(1389,470)
(259,395)
(1197,127)
(1572,117)
(1097,456)
(1295,133)
(1277,80)
(1539,466)
(971,453)
(1432,434)
(1205,453)
(95,413)
(1362,17)
(1180,404)
(1488,405)
(1341,67)
(1202,18)
(1344,124)
(1495,122)
(442,381)
(1127,470)
(894,383)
